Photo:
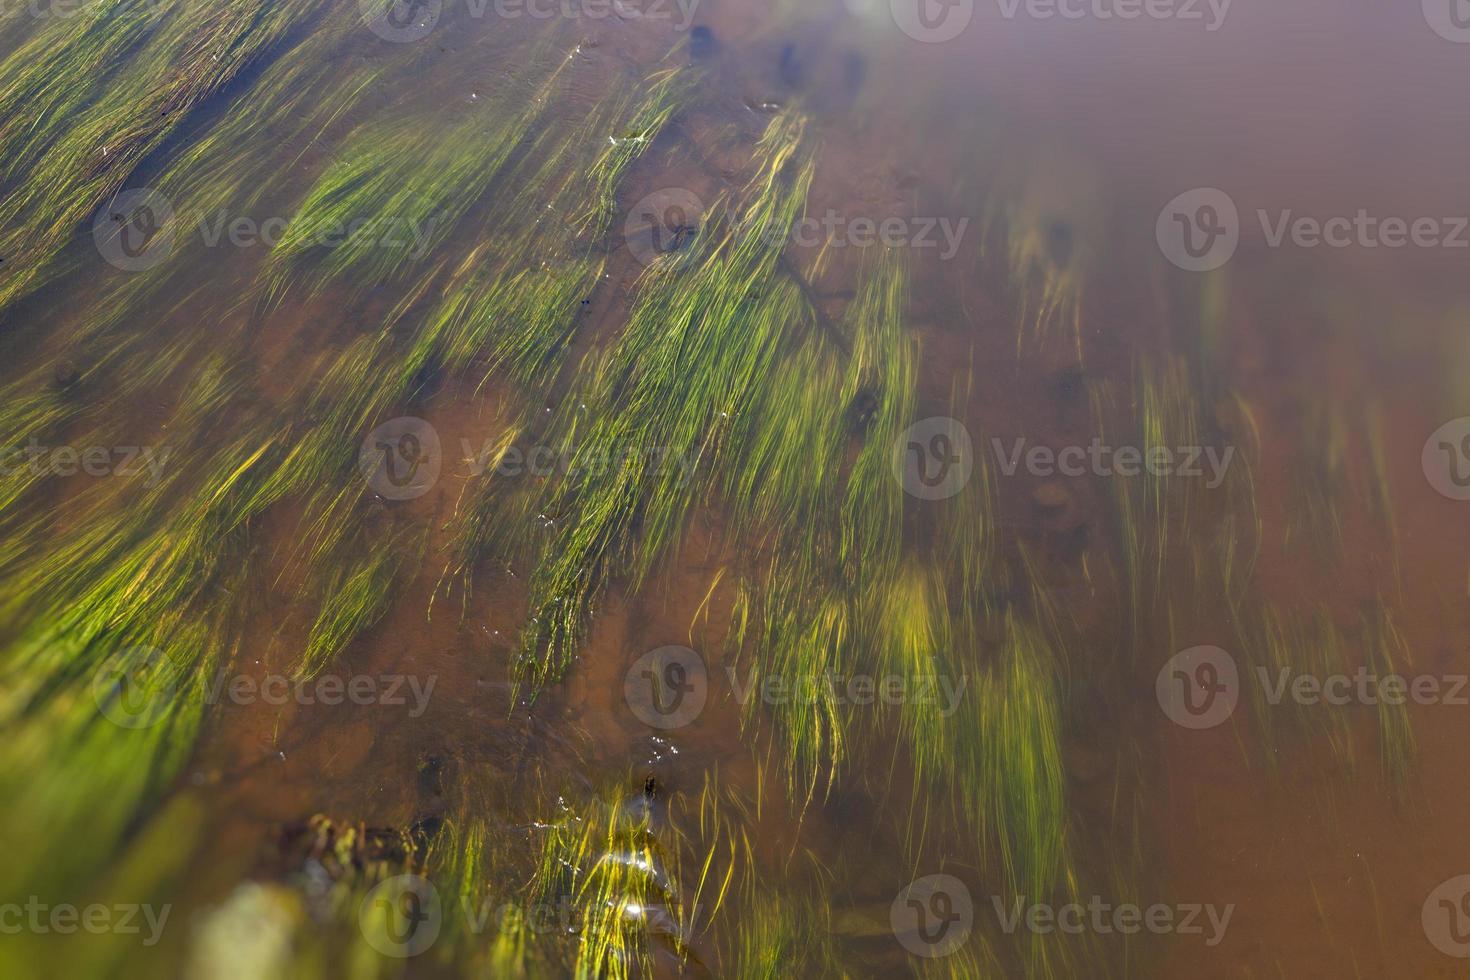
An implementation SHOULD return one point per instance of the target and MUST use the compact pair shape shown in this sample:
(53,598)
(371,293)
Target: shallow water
(310,659)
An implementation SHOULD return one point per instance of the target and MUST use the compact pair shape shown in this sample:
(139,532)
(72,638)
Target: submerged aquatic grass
(782,399)
(88,98)
(125,583)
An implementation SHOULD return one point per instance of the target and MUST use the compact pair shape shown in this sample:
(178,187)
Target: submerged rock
(702,43)
(790,67)
(1051,496)
(854,71)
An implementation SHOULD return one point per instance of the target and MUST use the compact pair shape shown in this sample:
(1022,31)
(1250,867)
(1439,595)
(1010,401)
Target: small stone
(790,67)
(702,42)
(1070,383)
(854,70)
(1059,242)
(1086,763)
(1051,496)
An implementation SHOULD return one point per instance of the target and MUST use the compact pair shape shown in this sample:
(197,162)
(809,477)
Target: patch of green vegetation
(730,389)
(89,98)
(705,327)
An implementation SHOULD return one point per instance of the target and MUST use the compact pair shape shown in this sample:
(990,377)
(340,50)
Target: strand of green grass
(696,345)
(101,93)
